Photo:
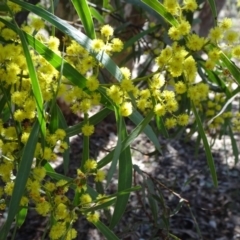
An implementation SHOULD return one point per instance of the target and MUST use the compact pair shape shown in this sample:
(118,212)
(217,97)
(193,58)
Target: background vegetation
(181,80)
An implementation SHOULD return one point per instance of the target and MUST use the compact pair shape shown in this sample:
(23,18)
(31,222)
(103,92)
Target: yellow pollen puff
(171,6)
(160,109)
(170,123)
(71,234)
(180,87)
(226,23)
(126,109)
(174,33)
(236,51)
(117,45)
(107,31)
(14,7)
(85,198)
(43,208)
(127,85)
(215,34)
(184,27)
(97,45)
(53,43)
(195,42)
(8,34)
(125,72)
(90,165)
(60,134)
(93,217)
(92,83)
(57,230)
(39,173)
(100,176)
(116,94)
(61,211)
(190,5)
(183,119)
(87,130)
(231,36)
(210,64)
(8,189)
(37,23)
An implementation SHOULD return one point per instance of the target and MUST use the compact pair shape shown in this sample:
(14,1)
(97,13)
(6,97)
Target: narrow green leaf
(214,10)
(84,14)
(21,216)
(3,7)
(124,180)
(160,9)
(48,167)
(177,209)
(85,153)
(21,179)
(58,176)
(232,68)
(137,118)
(66,154)
(3,100)
(104,205)
(97,15)
(95,119)
(54,120)
(139,36)
(154,208)
(35,84)
(152,198)
(117,150)
(127,141)
(105,231)
(234,145)
(210,160)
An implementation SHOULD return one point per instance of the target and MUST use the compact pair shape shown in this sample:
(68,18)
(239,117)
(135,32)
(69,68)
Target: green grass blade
(160,9)
(105,231)
(75,34)
(21,179)
(210,160)
(124,181)
(127,141)
(35,84)
(84,14)
(118,147)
